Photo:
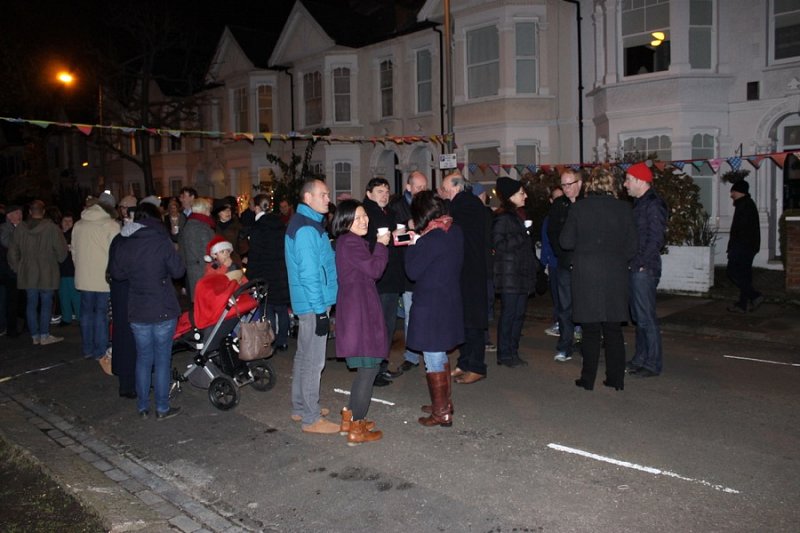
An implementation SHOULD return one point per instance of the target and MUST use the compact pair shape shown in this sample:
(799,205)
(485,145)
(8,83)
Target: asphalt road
(711,445)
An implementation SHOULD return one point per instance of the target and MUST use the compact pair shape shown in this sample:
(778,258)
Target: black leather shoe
(129,395)
(615,387)
(381,381)
(519,361)
(645,373)
(583,384)
(407,365)
(506,362)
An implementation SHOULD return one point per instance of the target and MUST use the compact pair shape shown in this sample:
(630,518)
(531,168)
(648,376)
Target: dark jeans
(740,272)
(643,312)
(278,315)
(566,327)
(94,323)
(509,325)
(472,356)
(615,352)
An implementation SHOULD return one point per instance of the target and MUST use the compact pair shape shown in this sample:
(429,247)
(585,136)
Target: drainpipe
(580,76)
(441,85)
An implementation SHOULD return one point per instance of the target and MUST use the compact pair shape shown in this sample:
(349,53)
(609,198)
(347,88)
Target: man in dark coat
(470,215)
(650,216)
(266,260)
(743,245)
(401,207)
(571,184)
(390,285)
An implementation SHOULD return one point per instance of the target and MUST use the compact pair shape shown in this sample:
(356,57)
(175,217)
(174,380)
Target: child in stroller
(223,300)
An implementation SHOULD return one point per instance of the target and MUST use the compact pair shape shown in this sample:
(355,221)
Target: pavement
(85,439)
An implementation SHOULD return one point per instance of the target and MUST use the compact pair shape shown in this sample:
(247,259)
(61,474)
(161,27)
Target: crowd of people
(444,257)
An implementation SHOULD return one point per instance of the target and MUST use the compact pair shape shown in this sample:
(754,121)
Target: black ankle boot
(585,384)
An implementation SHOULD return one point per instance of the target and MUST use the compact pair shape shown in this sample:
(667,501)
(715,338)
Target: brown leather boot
(429,408)
(347,418)
(359,433)
(439,388)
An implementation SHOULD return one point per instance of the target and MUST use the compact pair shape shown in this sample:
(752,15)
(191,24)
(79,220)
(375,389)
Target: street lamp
(65,77)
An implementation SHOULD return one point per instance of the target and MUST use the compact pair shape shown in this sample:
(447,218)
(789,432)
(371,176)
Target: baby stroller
(216,365)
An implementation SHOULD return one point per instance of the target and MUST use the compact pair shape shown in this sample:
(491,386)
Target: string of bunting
(734,162)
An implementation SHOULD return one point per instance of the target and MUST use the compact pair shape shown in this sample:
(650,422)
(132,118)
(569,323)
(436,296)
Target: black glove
(323,325)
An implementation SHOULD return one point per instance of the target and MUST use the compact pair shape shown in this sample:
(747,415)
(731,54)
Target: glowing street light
(65,77)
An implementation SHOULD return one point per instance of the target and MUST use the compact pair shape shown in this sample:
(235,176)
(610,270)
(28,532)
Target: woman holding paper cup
(514,269)
(360,329)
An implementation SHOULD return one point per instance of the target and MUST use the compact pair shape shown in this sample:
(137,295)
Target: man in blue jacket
(650,215)
(311,266)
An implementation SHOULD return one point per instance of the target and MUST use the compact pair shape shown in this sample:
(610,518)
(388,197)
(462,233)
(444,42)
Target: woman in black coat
(146,258)
(436,324)
(514,270)
(601,231)
(266,260)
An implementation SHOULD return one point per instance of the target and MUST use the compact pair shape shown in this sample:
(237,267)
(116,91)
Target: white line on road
(347,393)
(648,469)
(9,378)
(760,360)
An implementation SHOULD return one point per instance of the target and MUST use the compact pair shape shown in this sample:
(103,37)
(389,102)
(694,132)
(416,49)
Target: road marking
(347,393)
(634,466)
(760,360)
(9,378)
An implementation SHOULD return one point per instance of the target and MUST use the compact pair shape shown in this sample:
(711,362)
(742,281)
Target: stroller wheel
(264,377)
(223,393)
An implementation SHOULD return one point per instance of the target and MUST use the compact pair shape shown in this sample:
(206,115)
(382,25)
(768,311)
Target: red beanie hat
(215,245)
(640,171)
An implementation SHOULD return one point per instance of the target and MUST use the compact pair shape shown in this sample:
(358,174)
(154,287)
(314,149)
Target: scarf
(205,219)
(443,223)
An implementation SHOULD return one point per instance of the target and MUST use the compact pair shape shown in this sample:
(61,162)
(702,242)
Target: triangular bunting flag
(267,137)
(495,169)
(755,160)
(520,169)
(560,169)
(679,164)
(84,128)
(507,169)
(575,167)
(735,162)
(483,167)
(249,136)
(473,168)
(40,123)
(699,164)
(545,168)
(660,165)
(715,164)
(460,166)
(624,166)
(779,159)
(532,167)
(174,133)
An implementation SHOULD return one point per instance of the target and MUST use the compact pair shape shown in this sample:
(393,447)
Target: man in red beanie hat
(650,215)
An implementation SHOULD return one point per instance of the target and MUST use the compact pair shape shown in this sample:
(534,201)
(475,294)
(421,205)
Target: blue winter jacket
(310,263)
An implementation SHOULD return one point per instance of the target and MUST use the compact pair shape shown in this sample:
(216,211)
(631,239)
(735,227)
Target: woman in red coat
(360,330)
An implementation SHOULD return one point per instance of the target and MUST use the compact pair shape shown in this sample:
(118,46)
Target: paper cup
(401,227)
(383,231)
(528,223)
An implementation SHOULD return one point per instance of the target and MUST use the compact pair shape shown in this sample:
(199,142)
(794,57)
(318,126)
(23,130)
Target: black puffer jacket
(515,264)
(266,258)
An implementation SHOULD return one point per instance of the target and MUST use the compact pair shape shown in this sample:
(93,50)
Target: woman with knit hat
(514,269)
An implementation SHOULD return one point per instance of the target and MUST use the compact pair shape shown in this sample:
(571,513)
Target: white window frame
(707,175)
(643,35)
(646,136)
(345,167)
(771,39)
(338,72)
(423,85)
(262,110)
(472,65)
(710,28)
(240,109)
(386,87)
(526,57)
(314,95)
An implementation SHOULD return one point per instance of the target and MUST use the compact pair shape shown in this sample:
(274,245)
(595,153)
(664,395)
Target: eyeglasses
(569,183)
